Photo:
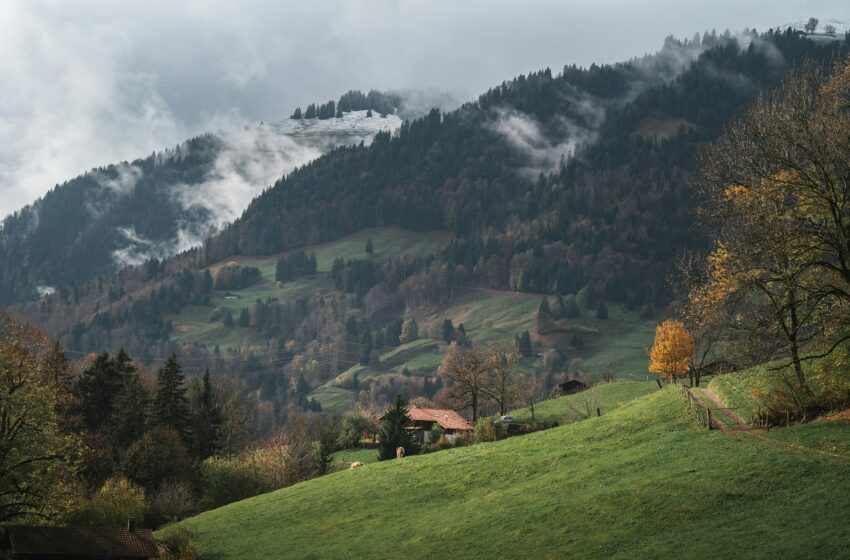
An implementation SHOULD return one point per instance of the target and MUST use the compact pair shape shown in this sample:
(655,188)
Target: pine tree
(205,417)
(170,406)
(244,318)
(571,309)
(448,331)
(129,418)
(366,346)
(394,433)
(227,319)
(95,392)
(524,344)
(601,311)
(544,316)
(370,247)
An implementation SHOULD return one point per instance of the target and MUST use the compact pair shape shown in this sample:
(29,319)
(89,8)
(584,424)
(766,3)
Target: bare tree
(829,30)
(502,379)
(465,373)
(811,25)
(301,461)
(530,390)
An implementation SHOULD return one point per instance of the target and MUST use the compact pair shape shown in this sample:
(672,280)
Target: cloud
(250,159)
(93,82)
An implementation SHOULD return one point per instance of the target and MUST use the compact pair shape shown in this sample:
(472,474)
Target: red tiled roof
(70,542)
(447,419)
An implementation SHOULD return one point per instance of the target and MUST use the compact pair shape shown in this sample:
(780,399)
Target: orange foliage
(672,350)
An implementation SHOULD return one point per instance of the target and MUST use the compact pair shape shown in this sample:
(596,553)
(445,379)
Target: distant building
(423,419)
(572,386)
(49,543)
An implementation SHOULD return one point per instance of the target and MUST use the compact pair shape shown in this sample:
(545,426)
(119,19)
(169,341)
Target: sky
(92,82)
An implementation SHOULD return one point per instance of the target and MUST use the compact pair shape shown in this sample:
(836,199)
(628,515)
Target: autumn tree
(36,455)
(671,351)
(465,371)
(781,176)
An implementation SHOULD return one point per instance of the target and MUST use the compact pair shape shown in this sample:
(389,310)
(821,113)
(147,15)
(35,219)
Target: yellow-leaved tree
(672,350)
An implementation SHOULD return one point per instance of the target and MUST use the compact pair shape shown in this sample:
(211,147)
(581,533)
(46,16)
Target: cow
(356,465)
(399,452)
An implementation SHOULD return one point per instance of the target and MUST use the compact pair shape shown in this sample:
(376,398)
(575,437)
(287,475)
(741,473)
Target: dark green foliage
(393,336)
(577,342)
(571,309)
(158,456)
(244,318)
(205,415)
(601,311)
(170,406)
(523,341)
(370,247)
(448,330)
(297,264)
(544,316)
(227,318)
(393,433)
(235,277)
(365,346)
(129,417)
(95,392)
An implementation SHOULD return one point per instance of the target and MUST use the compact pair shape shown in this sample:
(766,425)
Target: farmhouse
(423,419)
(45,543)
(572,386)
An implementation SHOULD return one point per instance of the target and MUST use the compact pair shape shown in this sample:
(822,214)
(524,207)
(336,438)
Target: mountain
(156,207)
(570,185)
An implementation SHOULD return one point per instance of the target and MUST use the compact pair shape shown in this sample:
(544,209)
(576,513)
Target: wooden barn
(20,542)
(423,419)
(572,386)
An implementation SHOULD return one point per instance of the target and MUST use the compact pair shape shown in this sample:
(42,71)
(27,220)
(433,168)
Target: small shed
(572,386)
(19,542)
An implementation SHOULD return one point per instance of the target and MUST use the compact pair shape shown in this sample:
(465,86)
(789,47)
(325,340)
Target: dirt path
(721,417)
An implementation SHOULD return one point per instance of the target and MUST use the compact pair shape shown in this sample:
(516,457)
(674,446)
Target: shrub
(112,505)
(173,502)
(178,544)
(157,457)
(485,429)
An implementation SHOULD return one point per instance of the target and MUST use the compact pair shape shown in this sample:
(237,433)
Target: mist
(92,82)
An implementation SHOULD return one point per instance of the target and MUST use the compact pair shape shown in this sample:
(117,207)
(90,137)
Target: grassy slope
(735,390)
(498,315)
(606,396)
(192,324)
(640,482)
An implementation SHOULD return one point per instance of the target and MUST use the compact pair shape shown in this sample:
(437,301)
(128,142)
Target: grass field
(569,408)
(746,390)
(192,323)
(643,481)
(488,315)
(342,459)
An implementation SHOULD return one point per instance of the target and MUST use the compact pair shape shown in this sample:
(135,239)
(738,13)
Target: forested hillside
(578,186)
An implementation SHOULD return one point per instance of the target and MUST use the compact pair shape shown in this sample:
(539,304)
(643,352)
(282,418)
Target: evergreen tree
(394,333)
(227,319)
(524,344)
(409,331)
(460,335)
(370,247)
(297,114)
(170,406)
(205,415)
(244,317)
(571,309)
(128,422)
(448,331)
(601,311)
(544,316)
(394,433)
(586,299)
(366,346)
(95,392)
